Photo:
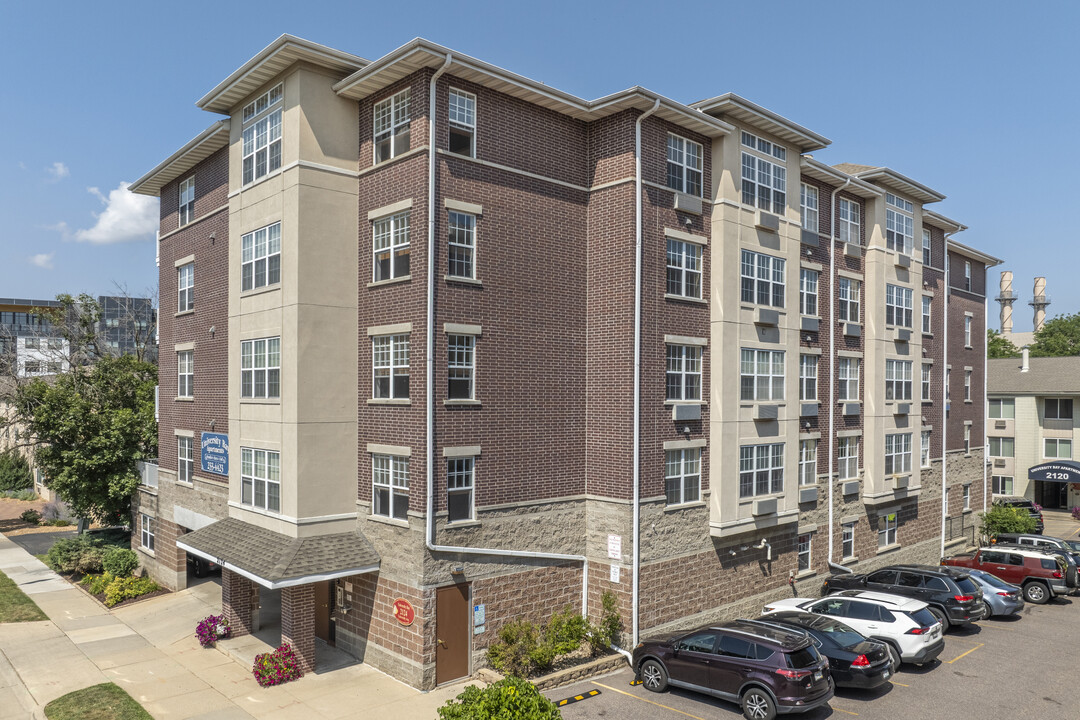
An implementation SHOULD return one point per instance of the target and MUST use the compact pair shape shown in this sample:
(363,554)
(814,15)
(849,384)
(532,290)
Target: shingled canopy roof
(1053,376)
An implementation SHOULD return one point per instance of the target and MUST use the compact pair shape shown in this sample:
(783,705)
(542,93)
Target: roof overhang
(988,260)
(195,151)
(889,178)
(831,176)
(940,221)
(734,107)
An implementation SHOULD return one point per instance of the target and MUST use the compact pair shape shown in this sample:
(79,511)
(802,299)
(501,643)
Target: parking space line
(843,710)
(900,684)
(995,627)
(950,662)
(666,707)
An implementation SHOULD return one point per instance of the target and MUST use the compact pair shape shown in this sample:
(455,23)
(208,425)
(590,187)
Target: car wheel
(653,676)
(1036,592)
(940,617)
(758,705)
(894,655)
(989,610)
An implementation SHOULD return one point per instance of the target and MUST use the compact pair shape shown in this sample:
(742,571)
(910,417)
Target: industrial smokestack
(1005,298)
(1039,301)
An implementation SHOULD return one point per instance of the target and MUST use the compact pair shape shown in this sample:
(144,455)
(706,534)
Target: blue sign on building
(215,453)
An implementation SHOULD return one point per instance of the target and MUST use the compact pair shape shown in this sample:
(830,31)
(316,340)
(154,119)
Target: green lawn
(98,702)
(15,606)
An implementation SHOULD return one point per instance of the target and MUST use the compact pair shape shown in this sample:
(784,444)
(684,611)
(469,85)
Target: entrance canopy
(1065,471)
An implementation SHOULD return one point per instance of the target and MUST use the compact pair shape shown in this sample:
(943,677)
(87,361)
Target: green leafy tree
(1003,518)
(1059,337)
(14,471)
(999,346)
(88,428)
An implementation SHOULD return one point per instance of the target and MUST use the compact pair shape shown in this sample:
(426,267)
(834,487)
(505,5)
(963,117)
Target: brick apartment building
(453,347)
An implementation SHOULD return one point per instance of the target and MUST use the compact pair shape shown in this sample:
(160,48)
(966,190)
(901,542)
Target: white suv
(905,625)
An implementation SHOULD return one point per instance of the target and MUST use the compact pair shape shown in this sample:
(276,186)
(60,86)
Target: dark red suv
(764,668)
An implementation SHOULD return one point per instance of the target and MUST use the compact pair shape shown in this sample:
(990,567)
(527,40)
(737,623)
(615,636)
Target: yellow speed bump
(577,698)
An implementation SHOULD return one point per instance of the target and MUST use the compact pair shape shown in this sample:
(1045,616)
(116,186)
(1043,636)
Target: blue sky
(978,100)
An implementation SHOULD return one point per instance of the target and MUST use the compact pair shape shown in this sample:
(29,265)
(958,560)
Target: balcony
(148,472)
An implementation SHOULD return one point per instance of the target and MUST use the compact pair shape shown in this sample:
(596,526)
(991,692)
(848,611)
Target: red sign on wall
(404,612)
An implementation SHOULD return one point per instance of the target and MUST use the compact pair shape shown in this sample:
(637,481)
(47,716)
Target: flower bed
(212,629)
(277,667)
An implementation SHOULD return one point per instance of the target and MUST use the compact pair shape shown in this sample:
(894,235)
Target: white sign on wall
(614,547)
(614,573)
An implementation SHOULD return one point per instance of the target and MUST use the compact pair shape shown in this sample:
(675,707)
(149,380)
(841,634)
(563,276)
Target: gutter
(945,392)
(832,367)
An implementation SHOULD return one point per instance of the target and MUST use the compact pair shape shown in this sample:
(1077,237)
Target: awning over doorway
(275,560)
(1065,471)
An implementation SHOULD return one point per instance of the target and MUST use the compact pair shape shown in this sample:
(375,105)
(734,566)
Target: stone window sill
(685,298)
(684,506)
(389,401)
(260,290)
(390,281)
(889,549)
(260,401)
(462,524)
(804,574)
(185,399)
(389,521)
(463,402)
(462,279)
(184,312)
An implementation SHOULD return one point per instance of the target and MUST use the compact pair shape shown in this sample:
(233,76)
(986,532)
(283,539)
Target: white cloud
(43,260)
(58,170)
(126,217)
(22,165)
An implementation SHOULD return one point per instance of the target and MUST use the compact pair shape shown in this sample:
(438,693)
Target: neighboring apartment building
(479,349)
(29,345)
(1032,430)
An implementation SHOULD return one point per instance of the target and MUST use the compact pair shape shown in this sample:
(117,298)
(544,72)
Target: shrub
(277,667)
(120,561)
(512,652)
(15,471)
(26,495)
(90,560)
(64,554)
(123,588)
(1076,513)
(212,629)
(30,516)
(52,511)
(1004,518)
(511,697)
(57,523)
(604,635)
(96,584)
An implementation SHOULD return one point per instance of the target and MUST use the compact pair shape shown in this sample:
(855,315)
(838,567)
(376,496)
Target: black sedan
(854,661)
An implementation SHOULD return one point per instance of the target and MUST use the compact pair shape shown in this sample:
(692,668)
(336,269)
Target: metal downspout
(945,394)
(832,365)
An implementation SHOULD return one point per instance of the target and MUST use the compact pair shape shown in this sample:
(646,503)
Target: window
(185,287)
(807,462)
(761,375)
(32,366)
(804,551)
(808,377)
(761,469)
(683,268)
(948,384)
(762,279)
(847,540)
(966,495)
(262,136)
(390,364)
(764,183)
(1059,409)
(967,386)
(1004,408)
(967,274)
(1001,485)
(1057,449)
(462,123)
(926,382)
(460,367)
(808,200)
(847,299)
(260,368)
(897,379)
(897,305)
(967,332)
(185,374)
(897,453)
(899,227)
(808,281)
(392,126)
(52,367)
(886,534)
(32,343)
(260,479)
(684,165)
(926,305)
(146,535)
(926,254)
(260,256)
(390,486)
(848,457)
(185,461)
(187,201)
(683,372)
(459,489)
(847,375)
(682,475)
(849,213)
(924,452)
(1001,446)
(462,247)
(391,247)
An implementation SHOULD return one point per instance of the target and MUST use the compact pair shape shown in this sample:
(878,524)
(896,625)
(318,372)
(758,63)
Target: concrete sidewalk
(150,650)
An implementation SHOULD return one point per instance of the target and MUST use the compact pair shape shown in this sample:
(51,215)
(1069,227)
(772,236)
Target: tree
(14,471)
(88,427)
(1058,337)
(1004,518)
(999,346)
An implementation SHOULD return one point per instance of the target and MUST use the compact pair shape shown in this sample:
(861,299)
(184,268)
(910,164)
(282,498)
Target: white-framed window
(682,475)
(897,305)
(146,534)
(805,539)
(847,456)
(1058,408)
(924,450)
(897,453)
(185,374)
(808,287)
(262,135)
(967,331)
(391,126)
(390,366)
(32,343)
(808,365)
(683,372)
(761,469)
(53,367)
(1002,408)
(683,268)
(185,287)
(260,368)
(462,123)
(684,165)
(848,292)
(187,201)
(965,495)
(926,369)
(897,379)
(967,275)
(847,377)
(260,479)
(1001,485)
(391,247)
(927,304)
(847,540)
(948,384)
(1057,449)
(390,486)
(808,201)
(967,439)
(461,367)
(761,375)
(1001,446)
(807,462)
(967,386)
(762,279)
(461,252)
(185,459)
(764,182)
(459,489)
(886,534)
(260,257)
(899,225)
(32,366)
(849,217)
(927,256)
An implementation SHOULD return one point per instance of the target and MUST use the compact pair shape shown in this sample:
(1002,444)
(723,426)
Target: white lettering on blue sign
(215,453)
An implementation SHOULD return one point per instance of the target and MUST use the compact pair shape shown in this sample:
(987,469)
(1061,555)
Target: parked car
(905,625)
(200,567)
(1035,511)
(952,597)
(767,670)
(1072,577)
(999,597)
(1040,576)
(1069,548)
(854,660)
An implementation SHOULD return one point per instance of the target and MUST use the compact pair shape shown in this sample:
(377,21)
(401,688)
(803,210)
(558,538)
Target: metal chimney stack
(1040,301)
(1025,361)
(1005,298)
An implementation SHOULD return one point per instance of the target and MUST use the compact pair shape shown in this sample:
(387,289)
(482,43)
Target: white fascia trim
(395,329)
(459,452)
(462,206)
(688,237)
(276,585)
(390,209)
(205,136)
(398,450)
(685,340)
(316,519)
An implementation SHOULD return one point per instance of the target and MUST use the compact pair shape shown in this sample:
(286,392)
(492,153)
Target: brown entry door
(324,605)
(452,632)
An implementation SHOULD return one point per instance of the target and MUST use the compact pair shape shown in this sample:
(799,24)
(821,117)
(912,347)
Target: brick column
(236,601)
(298,623)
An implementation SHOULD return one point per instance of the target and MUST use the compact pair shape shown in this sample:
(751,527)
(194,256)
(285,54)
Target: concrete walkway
(150,650)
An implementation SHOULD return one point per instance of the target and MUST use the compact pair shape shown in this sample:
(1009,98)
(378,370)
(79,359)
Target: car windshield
(966,586)
(994,581)
(803,658)
(1074,545)
(837,631)
(923,617)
